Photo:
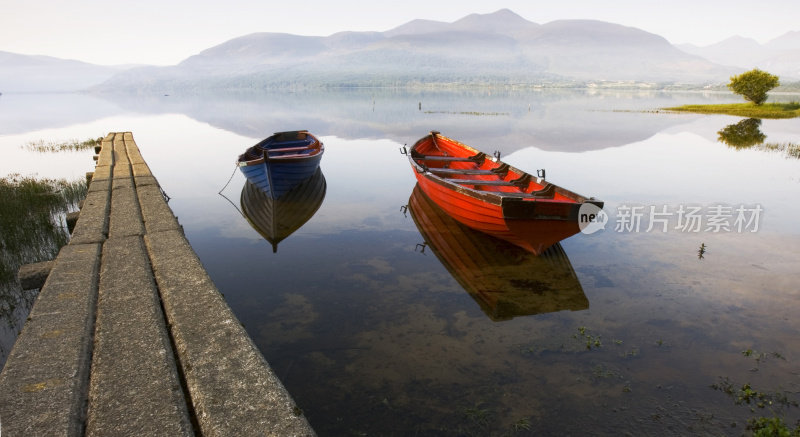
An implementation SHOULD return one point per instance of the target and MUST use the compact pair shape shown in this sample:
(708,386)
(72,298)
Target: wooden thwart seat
(478,158)
(501,170)
(289,149)
(482,182)
(291,155)
(464,171)
(548,192)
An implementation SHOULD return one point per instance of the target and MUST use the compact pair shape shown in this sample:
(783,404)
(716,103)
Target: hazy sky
(167,31)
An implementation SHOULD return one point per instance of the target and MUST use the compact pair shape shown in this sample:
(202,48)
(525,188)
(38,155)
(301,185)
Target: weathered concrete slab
(153,371)
(142,181)
(107,149)
(134,154)
(134,385)
(101,176)
(92,225)
(156,213)
(34,275)
(126,218)
(140,170)
(232,387)
(100,184)
(122,170)
(120,152)
(43,386)
(122,182)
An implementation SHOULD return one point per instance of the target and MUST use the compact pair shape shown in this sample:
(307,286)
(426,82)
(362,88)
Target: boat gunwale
(493,197)
(316,147)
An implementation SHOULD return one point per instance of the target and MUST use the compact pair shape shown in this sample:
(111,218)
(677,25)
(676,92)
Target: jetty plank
(142,342)
(44,382)
(232,387)
(92,225)
(134,389)
(126,217)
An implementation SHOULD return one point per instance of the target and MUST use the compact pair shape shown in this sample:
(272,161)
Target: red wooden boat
(491,196)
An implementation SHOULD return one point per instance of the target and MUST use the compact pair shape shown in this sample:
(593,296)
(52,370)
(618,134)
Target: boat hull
(281,161)
(493,197)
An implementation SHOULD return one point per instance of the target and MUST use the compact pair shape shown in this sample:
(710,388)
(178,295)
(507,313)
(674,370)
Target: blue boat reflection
(275,218)
(505,280)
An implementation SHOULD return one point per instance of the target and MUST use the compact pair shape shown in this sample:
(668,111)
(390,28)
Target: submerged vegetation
(766,110)
(31,218)
(776,402)
(32,229)
(62,146)
(789,150)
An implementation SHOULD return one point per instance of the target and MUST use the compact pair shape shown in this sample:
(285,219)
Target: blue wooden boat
(281,161)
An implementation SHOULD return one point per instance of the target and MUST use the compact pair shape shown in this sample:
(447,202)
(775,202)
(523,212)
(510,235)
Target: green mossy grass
(766,110)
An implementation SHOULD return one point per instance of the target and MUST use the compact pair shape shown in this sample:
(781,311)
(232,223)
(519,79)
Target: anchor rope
(229,180)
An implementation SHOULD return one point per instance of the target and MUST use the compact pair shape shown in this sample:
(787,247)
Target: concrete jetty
(129,335)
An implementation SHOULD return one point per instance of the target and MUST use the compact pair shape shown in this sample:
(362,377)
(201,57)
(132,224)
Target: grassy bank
(767,110)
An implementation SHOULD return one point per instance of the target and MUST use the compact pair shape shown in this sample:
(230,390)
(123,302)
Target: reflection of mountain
(276,219)
(21,113)
(507,120)
(505,280)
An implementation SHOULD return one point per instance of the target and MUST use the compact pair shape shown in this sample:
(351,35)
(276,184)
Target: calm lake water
(374,332)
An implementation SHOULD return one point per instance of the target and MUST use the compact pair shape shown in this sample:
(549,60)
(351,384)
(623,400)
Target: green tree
(753,85)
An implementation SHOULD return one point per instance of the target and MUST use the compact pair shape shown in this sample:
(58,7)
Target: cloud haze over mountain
(779,56)
(499,48)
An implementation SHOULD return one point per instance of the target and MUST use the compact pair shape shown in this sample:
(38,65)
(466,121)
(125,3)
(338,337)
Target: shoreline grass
(32,219)
(767,110)
(71,145)
(789,150)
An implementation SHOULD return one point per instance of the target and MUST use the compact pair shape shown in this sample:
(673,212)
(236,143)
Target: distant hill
(500,47)
(779,56)
(27,73)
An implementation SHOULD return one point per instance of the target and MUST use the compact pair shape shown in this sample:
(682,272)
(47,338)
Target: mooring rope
(226,197)
(229,180)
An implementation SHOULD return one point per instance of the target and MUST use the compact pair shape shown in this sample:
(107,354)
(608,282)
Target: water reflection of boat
(504,279)
(281,161)
(277,218)
(491,196)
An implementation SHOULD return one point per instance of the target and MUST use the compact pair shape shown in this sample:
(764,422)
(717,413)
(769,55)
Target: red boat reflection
(504,279)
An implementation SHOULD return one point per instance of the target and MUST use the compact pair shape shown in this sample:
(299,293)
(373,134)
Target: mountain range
(779,56)
(497,48)
(26,73)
